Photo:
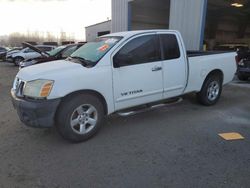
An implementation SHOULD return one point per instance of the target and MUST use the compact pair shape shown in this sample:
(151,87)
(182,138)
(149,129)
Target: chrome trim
(18,87)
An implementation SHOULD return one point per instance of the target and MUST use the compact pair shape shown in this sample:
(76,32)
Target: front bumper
(34,113)
(26,64)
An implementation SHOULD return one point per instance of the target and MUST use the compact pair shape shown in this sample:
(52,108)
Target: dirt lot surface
(175,146)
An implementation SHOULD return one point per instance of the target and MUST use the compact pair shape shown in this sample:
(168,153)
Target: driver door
(137,72)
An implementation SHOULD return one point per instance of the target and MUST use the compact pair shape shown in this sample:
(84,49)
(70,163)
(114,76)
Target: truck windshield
(92,52)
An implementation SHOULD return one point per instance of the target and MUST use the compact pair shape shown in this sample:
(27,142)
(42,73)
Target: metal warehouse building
(97,30)
(211,22)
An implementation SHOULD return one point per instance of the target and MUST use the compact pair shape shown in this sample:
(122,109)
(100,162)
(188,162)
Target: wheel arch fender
(92,92)
(18,56)
(217,72)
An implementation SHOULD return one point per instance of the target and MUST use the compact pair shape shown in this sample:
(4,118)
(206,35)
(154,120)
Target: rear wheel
(80,117)
(211,90)
(18,60)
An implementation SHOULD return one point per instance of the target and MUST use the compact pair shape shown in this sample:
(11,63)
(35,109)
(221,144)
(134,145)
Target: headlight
(38,88)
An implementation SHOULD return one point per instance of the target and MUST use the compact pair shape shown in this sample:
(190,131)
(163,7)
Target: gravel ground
(175,146)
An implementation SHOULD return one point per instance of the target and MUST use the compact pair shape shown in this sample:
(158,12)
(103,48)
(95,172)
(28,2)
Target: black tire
(67,110)
(17,60)
(203,96)
(242,77)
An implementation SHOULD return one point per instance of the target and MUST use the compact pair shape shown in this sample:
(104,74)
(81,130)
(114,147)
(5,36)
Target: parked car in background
(12,51)
(3,52)
(61,52)
(243,62)
(27,53)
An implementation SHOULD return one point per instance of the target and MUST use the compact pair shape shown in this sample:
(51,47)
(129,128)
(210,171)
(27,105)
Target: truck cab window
(144,49)
(170,46)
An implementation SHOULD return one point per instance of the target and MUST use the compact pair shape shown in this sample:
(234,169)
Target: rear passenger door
(173,64)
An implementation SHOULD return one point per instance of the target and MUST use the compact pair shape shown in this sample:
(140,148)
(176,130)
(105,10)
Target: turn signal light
(46,89)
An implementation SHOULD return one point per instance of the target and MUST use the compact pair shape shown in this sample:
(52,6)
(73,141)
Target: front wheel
(211,90)
(80,117)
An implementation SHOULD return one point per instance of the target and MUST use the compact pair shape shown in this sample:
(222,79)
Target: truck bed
(201,63)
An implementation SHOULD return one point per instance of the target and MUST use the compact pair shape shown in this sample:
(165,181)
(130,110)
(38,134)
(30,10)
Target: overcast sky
(70,16)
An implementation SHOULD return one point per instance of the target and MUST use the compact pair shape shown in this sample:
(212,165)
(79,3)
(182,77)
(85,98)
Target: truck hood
(46,70)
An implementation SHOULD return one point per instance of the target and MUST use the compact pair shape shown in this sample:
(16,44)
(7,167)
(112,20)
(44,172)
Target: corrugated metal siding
(119,15)
(187,16)
(92,31)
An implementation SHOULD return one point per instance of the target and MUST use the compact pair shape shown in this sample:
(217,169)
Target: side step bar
(141,110)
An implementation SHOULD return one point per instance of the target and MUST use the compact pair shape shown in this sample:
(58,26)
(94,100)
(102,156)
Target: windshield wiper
(83,61)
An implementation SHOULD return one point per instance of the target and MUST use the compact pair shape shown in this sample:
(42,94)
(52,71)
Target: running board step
(148,108)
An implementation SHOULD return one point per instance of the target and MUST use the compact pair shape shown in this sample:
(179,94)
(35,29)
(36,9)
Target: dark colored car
(243,64)
(61,52)
(3,52)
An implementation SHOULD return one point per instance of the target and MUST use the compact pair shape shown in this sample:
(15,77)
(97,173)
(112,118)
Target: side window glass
(144,49)
(66,53)
(28,50)
(170,46)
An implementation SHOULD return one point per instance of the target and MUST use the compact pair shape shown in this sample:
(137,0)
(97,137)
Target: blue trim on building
(129,16)
(203,24)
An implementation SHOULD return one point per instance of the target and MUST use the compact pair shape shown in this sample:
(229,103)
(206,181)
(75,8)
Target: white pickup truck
(116,72)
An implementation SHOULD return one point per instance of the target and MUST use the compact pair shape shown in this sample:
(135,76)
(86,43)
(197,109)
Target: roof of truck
(131,33)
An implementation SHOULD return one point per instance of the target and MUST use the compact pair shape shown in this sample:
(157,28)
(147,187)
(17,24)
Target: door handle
(156,68)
